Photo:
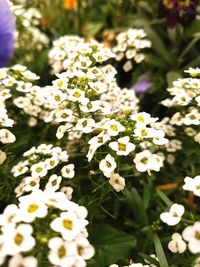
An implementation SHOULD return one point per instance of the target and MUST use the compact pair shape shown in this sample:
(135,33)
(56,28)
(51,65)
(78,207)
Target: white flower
(19,261)
(68,224)
(6,136)
(18,239)
(127,66)
(146,161)
(9,215)
(32,206)
(143,118)
(96,142)
(192,235)
(85,250)
(68,171)
(2,157)
(53,182)
(107,165)
(29,152)
(19,169)
(192,185)
(197,138)
(67,190)
(114,127)
(117,182)
(62,253)
(174,215)
(44,149)
(193,71)
(63,156)
(38,170)
(58,200)
(51,162)
(143,161)
(177,245)
(122,147)
(31,184)
(76,95)
(85,125)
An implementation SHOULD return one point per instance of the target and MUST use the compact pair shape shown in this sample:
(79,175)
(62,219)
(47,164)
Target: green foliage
(110,243)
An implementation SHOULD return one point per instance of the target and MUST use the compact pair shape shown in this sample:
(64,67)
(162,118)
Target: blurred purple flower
(182,11)
(142,84)
(7,28)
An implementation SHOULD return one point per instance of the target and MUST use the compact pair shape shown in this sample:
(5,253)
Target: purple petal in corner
(7,28)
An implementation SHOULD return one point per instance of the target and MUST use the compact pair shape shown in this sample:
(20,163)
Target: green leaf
(110,244)
(172,76)
(157,44)
(136,204)
(159,252)
(146,195)
(193,63)
(189,47)
(164,198)
(192,29)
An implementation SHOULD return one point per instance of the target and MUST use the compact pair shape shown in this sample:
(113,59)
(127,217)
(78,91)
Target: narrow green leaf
(136,204)
(189,46)
(164,198)
(157,44)
(159,252)
(193,63)
(146,196)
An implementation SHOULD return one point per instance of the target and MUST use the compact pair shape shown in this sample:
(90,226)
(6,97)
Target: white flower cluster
(63,233)
(186,96)
(21,79)
(38,165)
(6,136)
(122,99)
(190,237)
(27,21)
(17,82)
(174,144)
(191,234)
(76,97)
(121,138)
(76,94)
(153,256)
(129,46)
(72,51)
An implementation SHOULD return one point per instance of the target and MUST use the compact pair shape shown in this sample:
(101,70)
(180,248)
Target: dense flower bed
(100,135)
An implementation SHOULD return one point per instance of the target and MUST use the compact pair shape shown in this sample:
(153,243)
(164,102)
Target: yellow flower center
(144,160)
(68,224)
(32,208)
(61,252)
(38,169)
(18,239)
(114,127)
(121,147)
